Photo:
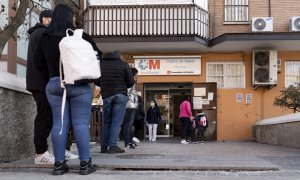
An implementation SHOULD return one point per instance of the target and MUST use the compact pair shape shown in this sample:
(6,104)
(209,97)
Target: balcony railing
(147,20)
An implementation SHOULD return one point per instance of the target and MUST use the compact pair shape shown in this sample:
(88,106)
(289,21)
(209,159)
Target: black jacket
(153,115)
(116,75)
(35,79)
(46,57)
(140,114)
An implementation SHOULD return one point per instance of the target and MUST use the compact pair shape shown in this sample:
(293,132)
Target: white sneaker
(184,142)
(45,158)
(69,155)
(136,140)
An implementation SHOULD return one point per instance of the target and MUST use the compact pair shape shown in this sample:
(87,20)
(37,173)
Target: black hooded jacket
(35,79)
(116,75)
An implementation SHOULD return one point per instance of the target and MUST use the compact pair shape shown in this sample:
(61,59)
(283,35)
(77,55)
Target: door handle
(214,122)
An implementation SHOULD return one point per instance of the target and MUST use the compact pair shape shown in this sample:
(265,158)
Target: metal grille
(96,124)
(147,20)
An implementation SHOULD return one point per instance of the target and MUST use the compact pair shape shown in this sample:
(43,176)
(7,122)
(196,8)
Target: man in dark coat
(116,77)
(36,82)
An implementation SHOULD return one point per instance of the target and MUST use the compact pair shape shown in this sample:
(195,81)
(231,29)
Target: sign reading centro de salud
(168,65)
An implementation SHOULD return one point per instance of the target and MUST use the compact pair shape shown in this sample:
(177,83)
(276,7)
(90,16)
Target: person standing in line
(139,121)
(131,110)
(186,117)
(116,78)
(153,118)
(36,82)
(200,126)
(79,96)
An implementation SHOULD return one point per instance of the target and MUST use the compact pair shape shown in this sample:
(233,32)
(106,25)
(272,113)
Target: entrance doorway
(169,98)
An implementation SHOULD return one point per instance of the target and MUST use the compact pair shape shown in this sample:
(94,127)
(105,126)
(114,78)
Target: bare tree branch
(14,23)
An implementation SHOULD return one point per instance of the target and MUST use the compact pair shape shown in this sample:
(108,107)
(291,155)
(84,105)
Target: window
(236,11)
(226,74)
(292,72)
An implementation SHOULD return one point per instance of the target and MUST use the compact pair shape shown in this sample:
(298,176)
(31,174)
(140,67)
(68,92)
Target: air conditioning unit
(294,24)
(264,67)
(262,24)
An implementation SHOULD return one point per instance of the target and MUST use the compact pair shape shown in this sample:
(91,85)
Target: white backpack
(78,58)
(78,61)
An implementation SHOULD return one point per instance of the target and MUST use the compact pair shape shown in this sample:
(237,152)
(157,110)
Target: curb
(145,168)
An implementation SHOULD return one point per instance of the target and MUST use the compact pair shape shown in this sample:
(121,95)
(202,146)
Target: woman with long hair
(79,96)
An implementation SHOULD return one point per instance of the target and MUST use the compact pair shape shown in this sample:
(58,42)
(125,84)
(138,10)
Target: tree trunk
(14,23)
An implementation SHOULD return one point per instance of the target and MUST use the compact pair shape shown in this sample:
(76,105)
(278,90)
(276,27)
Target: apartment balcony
(148,28)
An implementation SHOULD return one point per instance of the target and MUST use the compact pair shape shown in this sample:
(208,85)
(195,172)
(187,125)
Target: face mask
(152,104)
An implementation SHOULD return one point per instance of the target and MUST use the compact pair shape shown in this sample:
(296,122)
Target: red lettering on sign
(154,64)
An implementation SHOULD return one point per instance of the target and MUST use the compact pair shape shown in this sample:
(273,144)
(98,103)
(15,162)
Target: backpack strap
(67,34)
(63,104)
(62,85)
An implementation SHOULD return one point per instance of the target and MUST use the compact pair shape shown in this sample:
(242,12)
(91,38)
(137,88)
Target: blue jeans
(127,125)
(113,113)
(77,113)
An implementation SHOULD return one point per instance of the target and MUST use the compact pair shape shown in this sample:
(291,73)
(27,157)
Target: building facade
(231,56)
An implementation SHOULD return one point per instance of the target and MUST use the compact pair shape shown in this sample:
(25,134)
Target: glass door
(161,96)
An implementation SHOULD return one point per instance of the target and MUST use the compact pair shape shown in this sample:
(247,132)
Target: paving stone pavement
(168,159)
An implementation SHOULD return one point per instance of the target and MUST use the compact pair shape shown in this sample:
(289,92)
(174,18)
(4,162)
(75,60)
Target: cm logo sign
(154,64)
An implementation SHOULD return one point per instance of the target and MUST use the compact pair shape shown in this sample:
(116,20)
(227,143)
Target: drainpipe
(270,8)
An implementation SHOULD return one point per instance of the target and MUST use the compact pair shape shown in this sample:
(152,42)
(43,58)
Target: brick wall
(281,11)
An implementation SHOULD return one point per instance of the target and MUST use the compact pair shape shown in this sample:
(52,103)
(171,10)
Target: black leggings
(185,122)
(199,133)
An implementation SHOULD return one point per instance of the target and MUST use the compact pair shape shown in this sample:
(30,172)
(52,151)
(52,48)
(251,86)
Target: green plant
(289,98)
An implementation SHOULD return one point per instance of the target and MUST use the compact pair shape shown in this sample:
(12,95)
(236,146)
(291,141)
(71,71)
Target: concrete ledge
(17,113)
(279,120)
(13,82)
(282,131)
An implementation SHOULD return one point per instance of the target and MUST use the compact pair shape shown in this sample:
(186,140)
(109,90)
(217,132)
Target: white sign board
(168,66)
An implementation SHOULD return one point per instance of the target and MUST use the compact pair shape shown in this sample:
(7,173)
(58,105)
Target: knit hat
(46,13)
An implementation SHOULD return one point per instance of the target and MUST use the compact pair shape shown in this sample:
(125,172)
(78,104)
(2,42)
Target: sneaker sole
(60,172)
(42,163)
(86,172)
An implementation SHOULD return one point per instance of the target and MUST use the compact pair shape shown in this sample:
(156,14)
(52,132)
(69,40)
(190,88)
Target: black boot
(60,168)
(104,149)
(87,167)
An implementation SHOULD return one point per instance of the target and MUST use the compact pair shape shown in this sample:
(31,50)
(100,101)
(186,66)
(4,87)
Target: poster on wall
(199,92)
(197,102)
(248,98)
(210,96)
(168,65)
(239,97)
